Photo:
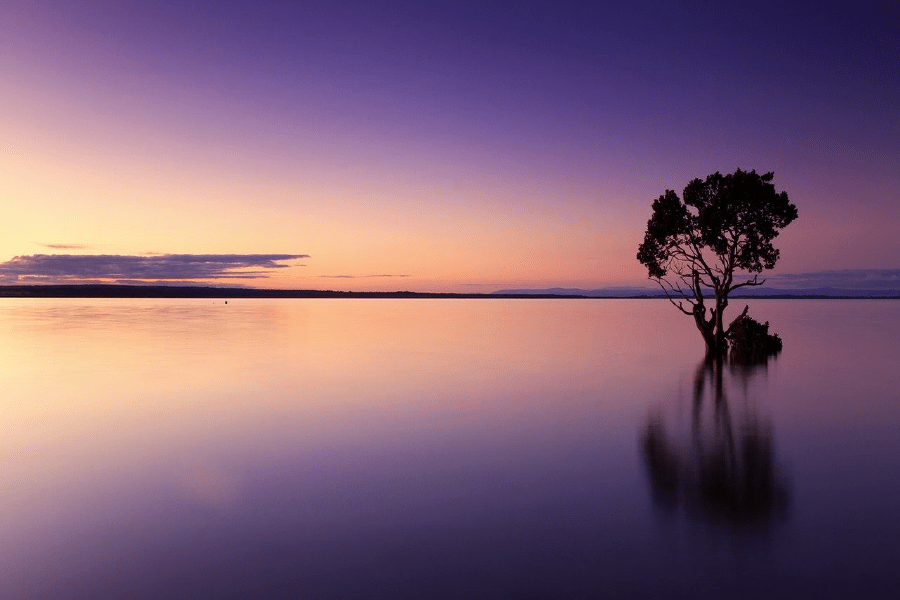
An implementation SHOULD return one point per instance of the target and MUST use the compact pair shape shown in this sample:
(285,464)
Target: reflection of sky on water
(424,448)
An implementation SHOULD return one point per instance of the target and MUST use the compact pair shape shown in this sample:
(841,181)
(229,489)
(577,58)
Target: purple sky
(460,145)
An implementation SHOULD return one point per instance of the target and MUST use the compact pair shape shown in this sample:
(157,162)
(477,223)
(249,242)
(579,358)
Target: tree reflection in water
(725,472)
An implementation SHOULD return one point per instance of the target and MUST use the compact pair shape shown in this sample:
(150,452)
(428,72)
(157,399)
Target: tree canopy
(694,247)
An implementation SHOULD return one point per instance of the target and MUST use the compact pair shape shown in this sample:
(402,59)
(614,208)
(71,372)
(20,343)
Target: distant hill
(749,292)
(824,292)
(610,292)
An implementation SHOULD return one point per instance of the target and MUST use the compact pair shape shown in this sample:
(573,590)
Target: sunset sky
(431,146)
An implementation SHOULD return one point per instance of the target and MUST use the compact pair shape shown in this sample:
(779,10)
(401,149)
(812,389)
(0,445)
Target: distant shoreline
(165,291)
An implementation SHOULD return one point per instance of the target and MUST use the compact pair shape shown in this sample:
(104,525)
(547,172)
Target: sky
(432,146)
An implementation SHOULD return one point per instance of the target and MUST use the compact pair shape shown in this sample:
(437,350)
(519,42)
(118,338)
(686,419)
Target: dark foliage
(751,341)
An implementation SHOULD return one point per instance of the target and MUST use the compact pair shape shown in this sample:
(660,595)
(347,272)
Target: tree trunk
(721,341)
(713,329)
(707,330)
(712,350)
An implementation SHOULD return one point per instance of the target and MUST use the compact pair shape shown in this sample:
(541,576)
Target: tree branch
(675,304)
(751,282)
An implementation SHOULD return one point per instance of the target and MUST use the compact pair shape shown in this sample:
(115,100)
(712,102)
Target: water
(446,448)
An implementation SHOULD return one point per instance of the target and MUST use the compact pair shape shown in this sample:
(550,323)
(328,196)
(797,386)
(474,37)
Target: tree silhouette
(694,247)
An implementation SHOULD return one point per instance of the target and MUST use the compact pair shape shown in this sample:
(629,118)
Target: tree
(694,248)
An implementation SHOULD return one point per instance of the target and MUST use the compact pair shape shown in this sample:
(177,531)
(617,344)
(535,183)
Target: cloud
(173,282)
(849,279)
(65,246)
(358,276)
(480,284)
(68,268)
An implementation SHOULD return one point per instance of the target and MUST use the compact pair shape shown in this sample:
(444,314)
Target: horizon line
(131,290)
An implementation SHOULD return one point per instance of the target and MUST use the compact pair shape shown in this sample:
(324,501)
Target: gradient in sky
(439,146)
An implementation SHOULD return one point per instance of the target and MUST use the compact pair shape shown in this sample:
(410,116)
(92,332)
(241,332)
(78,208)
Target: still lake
(444,449)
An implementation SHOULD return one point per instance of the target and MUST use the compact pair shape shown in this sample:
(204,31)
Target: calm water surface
(447,448)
